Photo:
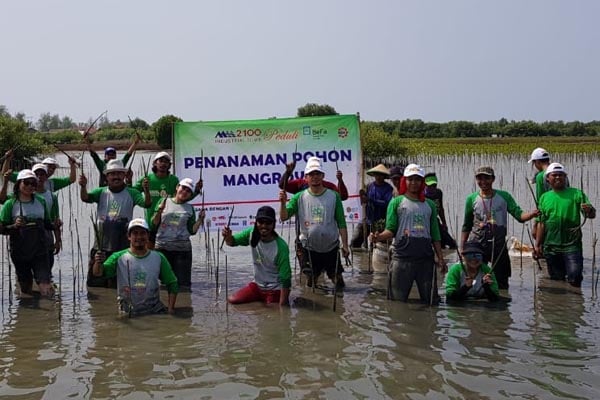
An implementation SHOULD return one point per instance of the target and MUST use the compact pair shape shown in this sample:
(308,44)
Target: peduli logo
(342,133)
(306,130)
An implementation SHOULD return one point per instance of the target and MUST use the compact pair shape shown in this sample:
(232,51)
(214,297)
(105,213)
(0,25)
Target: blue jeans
(569,264)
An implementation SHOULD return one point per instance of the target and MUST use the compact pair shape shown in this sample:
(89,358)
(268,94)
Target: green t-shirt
(456,276)
(560,213)
(271,261)
(159,188)
(52,184)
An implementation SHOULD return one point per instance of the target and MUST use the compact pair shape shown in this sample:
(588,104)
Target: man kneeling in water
(138,271)
(271,259)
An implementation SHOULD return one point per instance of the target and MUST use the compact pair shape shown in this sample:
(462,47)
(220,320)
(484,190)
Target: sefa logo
(342,132)
(306,130)
(224,134)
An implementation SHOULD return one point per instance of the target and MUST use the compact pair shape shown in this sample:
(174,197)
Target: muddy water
(543,343)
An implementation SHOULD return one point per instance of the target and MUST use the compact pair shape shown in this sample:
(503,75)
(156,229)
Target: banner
(241,162)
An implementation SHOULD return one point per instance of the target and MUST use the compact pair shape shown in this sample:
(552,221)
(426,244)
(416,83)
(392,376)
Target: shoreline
(120,145)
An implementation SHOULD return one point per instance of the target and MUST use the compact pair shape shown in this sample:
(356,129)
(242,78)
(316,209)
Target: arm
(167,278)
(83,195)
(539,239)
(199,222)
(4,189)
(8,156)
(132,147)
(289,169)
(157,218)
(441,211)
(341,185)
(72,170)
(147,196)
(341,223)
(282,260)
(468,221)
(283,213)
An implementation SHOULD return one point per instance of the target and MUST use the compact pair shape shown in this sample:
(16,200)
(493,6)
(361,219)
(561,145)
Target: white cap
(414,169)
(188,183)
(313,164)
(38,167)
(161,155)
(138,222)
(26,174)
(49,161)
(114,166)
(555,167)
(538,154)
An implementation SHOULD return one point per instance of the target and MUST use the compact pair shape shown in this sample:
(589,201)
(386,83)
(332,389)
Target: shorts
(252,292)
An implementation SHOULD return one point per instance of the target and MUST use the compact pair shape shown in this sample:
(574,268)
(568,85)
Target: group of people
(133,255)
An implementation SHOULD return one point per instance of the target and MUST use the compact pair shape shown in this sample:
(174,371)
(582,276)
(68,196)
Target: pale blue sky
(434,60)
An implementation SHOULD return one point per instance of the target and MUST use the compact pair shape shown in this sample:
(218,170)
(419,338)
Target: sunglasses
(264,221)
(473,256)
(30,182)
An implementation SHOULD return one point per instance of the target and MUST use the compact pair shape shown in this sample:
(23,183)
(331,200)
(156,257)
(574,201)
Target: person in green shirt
(559,233)
(138,271)
(472,279)
(271,259)
(162,184)
(110,153)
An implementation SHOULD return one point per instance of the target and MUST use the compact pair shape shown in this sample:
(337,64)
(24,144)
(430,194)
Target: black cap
(396,172)
(266,212)
(472,247)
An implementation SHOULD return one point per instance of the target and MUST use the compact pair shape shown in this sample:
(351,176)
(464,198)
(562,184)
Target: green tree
(315,110)
(163,130)
(138,123)
(12,136)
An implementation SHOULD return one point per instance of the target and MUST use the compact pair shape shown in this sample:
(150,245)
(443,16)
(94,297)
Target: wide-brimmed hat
(538,154)
(138,222)
(266,212)
(114,166)
(49,161)
(162,154)
(489,171)
(38,167)
(431,179)
(555,167)
(414,169)
(472,247)
(26,174)
(188,183)
(379,169)
(313,164)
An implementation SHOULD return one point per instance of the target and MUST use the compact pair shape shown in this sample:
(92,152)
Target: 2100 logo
(248,132)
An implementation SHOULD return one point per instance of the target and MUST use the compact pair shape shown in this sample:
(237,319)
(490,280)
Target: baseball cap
(188,183)
(555,167)
(313,164)
(162,154)
(395,172)
(489,171)
(110,150)
(26,174)
(114,166)
(138,222)
(39,166)
(431,179)
(266,212)
(538,154)
(49,161)
(414,169)
(472,247)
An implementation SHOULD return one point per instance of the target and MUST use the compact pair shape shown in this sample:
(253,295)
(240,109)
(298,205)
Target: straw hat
(379,169)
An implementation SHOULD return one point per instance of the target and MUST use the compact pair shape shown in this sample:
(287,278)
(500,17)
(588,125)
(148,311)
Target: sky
(438,60)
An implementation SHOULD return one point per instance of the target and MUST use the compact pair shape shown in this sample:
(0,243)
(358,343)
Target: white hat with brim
(313,164)
(26,174)
(38,167)
(138,223)
(162,154)
(414,169)
(188,183)
(114,166)
(554,168)
(538,154)
(379,169)
(49,161)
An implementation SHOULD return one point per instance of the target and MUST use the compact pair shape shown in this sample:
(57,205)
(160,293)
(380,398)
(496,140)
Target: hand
(8,173)
(374,236)
(163,205)
(588,211)
(129,175)
(345,251)
(82,180)
(202,214)
(20,222)
(282,196)
(538,253)
(535,213)
(289,167)
(57,247)
(442,266)
(99,257)
(226,232)
(487,279)
(58,223)
(199,186)
(339,175)
(146,184)
(468,281)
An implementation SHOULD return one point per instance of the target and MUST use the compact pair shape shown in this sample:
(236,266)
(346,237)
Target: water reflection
(541,344)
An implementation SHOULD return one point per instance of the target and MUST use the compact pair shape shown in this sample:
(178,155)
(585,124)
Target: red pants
(251,292)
